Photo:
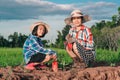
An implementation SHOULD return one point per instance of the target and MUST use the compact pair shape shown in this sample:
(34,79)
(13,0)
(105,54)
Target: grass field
(14,56)
(10,56)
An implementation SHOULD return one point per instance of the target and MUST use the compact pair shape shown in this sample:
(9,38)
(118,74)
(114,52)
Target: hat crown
(76,12)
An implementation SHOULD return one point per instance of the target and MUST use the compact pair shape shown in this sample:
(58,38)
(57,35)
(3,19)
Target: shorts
(39,57)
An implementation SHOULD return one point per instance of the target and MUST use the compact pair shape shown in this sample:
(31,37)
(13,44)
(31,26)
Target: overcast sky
(19,15)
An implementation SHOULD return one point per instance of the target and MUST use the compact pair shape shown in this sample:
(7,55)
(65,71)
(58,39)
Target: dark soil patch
(91,73)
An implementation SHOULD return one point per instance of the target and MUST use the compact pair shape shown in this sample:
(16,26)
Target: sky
(19,15)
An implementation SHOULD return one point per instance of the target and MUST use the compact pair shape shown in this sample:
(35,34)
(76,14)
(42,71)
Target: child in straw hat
(34,52)
(80,44)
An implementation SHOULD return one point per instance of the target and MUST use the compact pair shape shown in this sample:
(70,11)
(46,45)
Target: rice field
(14,56)
(11,56)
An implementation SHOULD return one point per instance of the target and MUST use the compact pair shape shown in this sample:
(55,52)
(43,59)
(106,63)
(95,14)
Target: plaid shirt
(83,36)
(33,45)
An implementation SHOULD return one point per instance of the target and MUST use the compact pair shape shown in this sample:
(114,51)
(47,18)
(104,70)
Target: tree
(114,21)
(16,40)
(13,39)
(106,33)
(61,36)
(59,40)
(3,42)
(118,20)
(21,39)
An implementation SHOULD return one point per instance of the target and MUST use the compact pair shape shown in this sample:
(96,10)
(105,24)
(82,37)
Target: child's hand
(71,40)
(48,57)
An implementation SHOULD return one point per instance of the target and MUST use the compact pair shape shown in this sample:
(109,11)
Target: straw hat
(40,23)
(78,13)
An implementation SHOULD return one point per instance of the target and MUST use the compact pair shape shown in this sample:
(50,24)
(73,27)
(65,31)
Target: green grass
(63,57)
(107,56)
(14,56)
(10,56)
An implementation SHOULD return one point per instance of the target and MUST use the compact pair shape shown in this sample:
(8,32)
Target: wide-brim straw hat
(40,23)
(77,13)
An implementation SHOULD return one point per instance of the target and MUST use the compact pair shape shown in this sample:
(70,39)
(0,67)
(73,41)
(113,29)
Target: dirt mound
(96,73)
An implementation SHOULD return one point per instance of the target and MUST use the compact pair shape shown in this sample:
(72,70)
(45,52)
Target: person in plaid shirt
(79,41)
(34,52)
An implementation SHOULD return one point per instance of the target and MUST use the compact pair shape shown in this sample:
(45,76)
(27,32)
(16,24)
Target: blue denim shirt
(33,45)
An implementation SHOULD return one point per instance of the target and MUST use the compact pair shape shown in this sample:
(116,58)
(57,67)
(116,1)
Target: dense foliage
(16,40)
(106,33)
(61,37)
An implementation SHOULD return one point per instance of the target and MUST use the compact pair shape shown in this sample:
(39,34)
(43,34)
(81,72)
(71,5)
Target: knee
(74,47)
(67,49)
(54,57)
(47,57)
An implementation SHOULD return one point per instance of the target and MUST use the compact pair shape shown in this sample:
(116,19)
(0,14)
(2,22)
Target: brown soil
(91,73)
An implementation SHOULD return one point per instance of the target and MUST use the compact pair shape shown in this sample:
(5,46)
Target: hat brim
(86,18)
(40,23)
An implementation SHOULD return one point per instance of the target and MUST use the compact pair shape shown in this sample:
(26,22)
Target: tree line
(106,33)
(15,40)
